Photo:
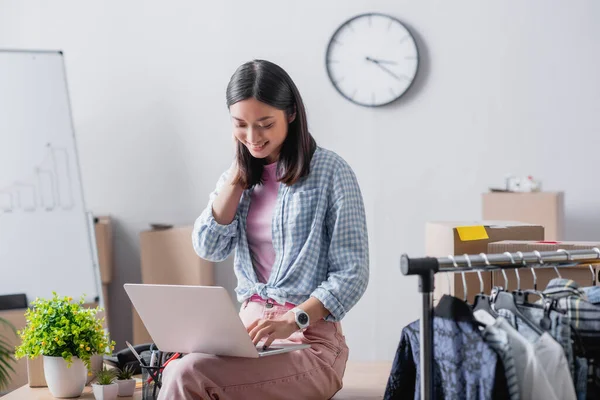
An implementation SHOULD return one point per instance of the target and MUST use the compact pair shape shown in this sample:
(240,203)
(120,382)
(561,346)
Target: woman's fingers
(268,342)
(263,332)
(252,325)
(258,325)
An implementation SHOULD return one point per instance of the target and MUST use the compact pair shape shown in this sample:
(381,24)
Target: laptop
(197,319)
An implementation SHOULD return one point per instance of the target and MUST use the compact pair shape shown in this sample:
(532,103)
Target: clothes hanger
(522,296)
(569,258)
(597,250)
(464,280)
(498,289)
(506,301)
(518,294)
(483,301)
(448,276)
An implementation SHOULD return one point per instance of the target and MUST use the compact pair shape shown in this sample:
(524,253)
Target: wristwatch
(302,318)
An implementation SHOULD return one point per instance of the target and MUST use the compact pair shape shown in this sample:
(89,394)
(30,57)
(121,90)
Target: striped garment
(319,235)
(585,318)
(497,339)
(584,315)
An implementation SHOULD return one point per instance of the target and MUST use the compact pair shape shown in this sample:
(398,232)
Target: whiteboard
(45,235)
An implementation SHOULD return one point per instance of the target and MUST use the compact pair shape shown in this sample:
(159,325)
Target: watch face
(372,59)
(302,318)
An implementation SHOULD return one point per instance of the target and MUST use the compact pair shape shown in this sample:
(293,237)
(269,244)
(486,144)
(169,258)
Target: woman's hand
(271,329)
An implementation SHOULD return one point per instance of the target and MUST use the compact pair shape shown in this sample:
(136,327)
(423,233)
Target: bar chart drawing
(26,196)
(7,203)
(48,188)
(45,180)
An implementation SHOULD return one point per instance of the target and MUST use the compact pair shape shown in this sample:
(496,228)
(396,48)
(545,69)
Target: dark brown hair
(270,84)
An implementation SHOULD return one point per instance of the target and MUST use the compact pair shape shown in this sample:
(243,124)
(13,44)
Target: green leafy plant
(125,373)
(60,328)
(105,376)
(6,358)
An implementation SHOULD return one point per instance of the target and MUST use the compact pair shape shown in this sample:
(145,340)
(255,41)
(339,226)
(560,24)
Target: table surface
(362,381)
(27,393)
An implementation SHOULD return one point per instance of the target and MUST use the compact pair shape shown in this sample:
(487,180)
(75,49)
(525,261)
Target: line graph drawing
(48,188)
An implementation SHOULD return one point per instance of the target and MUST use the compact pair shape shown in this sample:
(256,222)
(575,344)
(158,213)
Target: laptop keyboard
(260,349)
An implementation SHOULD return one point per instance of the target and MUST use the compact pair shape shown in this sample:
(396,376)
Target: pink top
(258,223)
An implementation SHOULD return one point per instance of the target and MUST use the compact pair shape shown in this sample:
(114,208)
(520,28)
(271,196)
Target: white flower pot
(126,387)
(64,382)
(105,392)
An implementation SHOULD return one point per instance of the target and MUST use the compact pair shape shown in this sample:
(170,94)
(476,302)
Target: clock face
(372,59)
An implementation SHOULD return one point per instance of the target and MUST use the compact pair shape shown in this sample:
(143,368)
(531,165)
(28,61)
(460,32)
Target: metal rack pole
(426,334)
(427,267)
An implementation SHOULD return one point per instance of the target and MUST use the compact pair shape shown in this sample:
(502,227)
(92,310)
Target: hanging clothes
(562,332)
(585,318)
(560,329)
(549,354)
(532,378)
(498,340)
(584,315)
(465,367)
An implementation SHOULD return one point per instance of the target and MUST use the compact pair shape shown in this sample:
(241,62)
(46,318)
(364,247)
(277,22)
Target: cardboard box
(540,208)
(580,273)
(103,231)
(470,237)
(168,258)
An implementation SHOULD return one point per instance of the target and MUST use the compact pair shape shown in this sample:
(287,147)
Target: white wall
(499,81)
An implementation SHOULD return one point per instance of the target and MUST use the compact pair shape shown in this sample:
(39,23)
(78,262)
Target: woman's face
(260,127)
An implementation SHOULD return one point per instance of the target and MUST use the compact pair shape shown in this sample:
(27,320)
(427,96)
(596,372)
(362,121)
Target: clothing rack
(427,267)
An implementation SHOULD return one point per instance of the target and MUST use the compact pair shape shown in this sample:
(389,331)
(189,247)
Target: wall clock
(372,59)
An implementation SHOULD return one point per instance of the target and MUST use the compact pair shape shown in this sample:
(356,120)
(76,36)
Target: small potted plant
(67,335)
(105,387)
(125,381)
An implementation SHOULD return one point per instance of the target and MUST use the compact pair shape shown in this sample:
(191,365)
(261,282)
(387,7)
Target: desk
(27,393)
(362,381)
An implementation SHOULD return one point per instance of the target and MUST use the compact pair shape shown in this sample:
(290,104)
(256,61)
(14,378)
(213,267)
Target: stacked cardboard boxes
(541,208)
(471,237)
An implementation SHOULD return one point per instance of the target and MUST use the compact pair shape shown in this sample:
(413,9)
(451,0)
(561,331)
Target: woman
(295,215)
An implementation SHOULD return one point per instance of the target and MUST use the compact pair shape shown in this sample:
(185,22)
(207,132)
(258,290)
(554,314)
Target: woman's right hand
(234,169)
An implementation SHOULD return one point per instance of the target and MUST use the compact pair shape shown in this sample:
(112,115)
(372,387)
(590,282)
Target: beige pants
(314,373)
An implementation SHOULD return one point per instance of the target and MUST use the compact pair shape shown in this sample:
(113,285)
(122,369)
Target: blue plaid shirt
(319,233)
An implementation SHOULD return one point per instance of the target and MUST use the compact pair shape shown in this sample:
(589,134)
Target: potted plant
(125,381)
(6,358)
(105,387)
(67,335)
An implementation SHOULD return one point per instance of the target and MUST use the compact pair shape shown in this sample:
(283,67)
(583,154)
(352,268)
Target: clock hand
(383,68)
(375,60)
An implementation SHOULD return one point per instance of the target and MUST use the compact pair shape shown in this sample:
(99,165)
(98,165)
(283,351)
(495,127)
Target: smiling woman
(269,123)
(260,127)
(294,214)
